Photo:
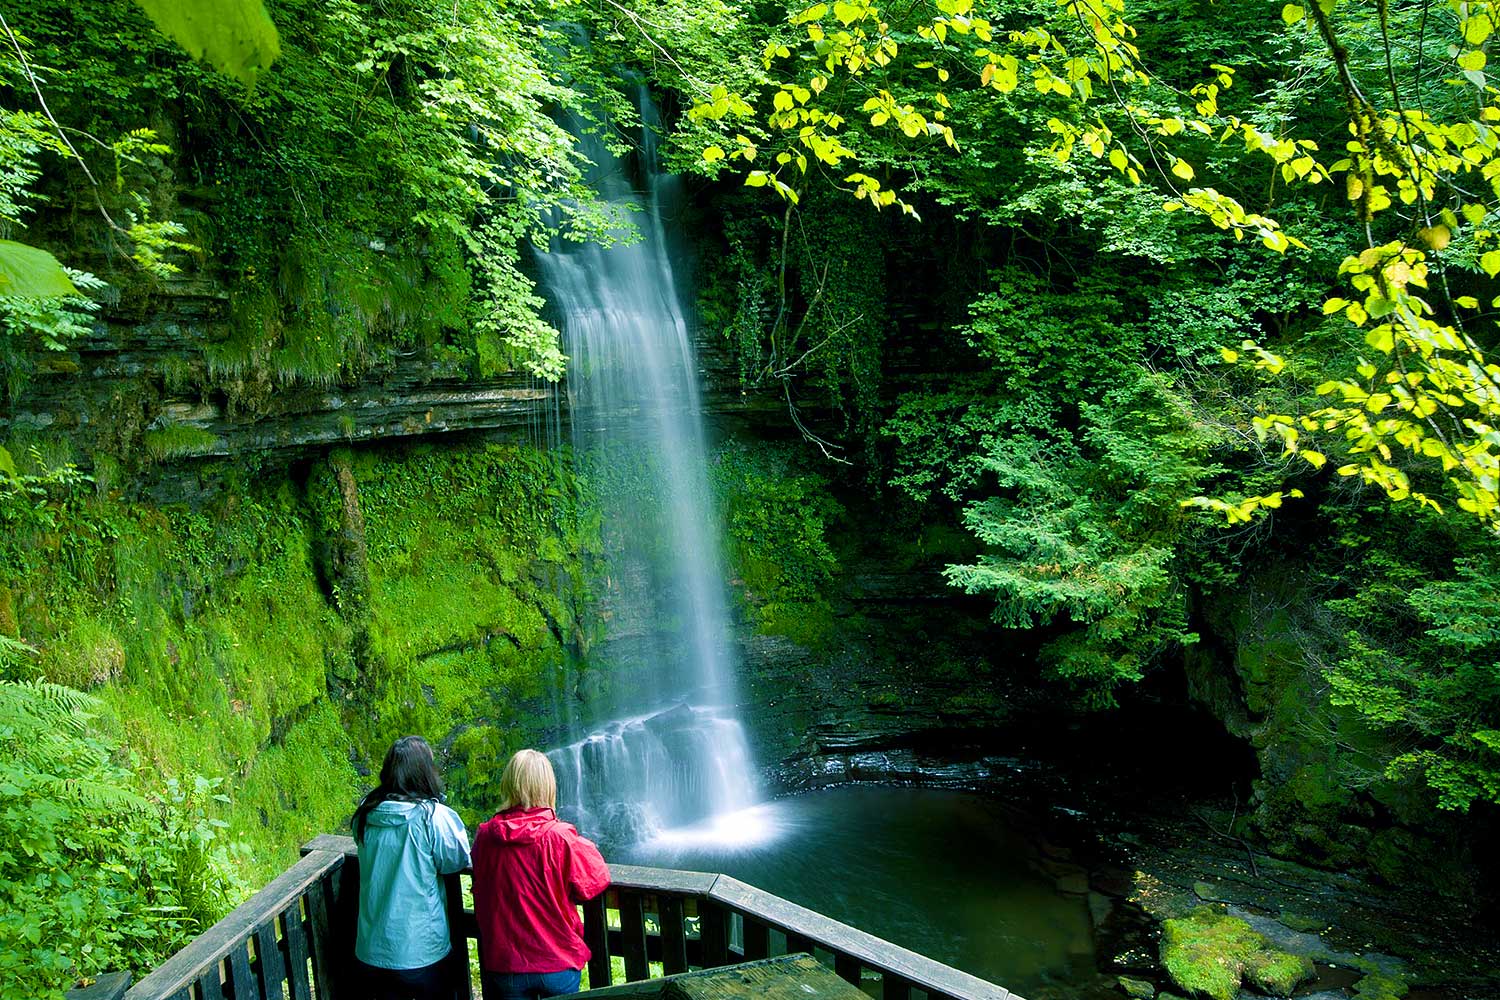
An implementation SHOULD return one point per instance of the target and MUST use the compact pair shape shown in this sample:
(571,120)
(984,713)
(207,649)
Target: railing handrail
(791,918)
(206,951)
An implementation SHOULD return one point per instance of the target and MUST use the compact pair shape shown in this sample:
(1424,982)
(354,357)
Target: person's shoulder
(560,829)
(443,813)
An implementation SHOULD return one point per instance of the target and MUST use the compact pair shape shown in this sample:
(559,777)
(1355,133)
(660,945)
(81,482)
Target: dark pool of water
(942,873)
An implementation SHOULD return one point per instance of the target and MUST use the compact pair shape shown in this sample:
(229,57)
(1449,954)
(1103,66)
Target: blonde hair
(528,781)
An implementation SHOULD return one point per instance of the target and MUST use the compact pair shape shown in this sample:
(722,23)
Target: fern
(94,873)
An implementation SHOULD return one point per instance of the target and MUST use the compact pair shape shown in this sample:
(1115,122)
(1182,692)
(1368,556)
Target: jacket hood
(523,826)
(392,812)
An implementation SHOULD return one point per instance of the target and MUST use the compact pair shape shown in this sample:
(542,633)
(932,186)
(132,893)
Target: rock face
(139,390)
(146,390)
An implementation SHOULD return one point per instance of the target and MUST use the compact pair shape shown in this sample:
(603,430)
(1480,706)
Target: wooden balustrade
(293,940)
(284,941)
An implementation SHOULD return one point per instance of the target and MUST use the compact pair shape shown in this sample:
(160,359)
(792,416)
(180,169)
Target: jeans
(431,982)
(529,985)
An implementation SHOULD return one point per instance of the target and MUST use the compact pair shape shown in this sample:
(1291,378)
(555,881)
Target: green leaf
(31,273)
(1292,13)
(1491,263)
(847,13)
(234,36)
(8,464)
(1381,338)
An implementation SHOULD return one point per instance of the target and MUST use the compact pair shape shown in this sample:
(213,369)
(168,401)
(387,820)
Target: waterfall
(675,753)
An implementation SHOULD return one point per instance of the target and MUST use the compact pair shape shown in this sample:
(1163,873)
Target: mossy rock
(1139,989)
(1381,986)
(1209,954)
(1278,973)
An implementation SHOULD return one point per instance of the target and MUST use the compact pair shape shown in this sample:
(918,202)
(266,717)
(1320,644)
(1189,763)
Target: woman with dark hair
(407,839)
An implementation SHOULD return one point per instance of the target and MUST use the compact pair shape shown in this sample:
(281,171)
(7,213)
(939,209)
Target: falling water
(675,754)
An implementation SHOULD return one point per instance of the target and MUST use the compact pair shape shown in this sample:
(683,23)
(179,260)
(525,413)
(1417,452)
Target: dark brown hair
(409,774)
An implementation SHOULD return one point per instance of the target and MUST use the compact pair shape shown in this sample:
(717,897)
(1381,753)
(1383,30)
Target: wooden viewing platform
(294,940)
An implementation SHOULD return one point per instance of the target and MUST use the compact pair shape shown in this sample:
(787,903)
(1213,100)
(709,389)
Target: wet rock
(1140,989)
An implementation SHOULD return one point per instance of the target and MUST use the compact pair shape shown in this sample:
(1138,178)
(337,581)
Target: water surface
(943,873)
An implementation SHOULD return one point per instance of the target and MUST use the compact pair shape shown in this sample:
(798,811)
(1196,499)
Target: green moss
(213,638)
(177,440)
(1381,986)
(1278,973)
(779,520)
(1208,954)
(1204,953)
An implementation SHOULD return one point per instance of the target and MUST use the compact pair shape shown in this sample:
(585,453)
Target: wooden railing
(281,942)
(294,938)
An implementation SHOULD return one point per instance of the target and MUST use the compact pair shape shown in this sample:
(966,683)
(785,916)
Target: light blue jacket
(403,923)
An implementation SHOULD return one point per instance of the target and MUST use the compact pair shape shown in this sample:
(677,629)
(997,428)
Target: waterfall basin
(943,873)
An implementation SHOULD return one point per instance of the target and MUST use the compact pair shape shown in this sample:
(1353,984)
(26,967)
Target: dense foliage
(1090,399)
(94,875)
(1040,348)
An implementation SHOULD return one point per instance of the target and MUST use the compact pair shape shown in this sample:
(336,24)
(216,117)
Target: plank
(662,880)
(241,979)
(297,954)
(458,954)
(271,961)
(713,932)
(757,939)
(320,923)
(633,931)
(841,939)
(210,947)
(894,986)
(210,986)
(673,936)
(796,965)
(784,978)
(596,936)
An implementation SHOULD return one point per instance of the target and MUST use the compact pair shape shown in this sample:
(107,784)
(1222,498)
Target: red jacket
(530,872)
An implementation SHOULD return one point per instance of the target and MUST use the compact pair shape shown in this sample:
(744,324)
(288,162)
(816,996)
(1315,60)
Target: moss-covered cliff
(284,632)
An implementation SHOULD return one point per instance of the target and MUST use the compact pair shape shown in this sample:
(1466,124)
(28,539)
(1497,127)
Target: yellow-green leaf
(32,273)
(1292,13)
(713,154)
(234,36)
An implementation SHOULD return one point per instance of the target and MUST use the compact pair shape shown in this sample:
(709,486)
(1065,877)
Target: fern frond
(47,704)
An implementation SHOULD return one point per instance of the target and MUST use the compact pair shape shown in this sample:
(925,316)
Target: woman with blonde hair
(531,870)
